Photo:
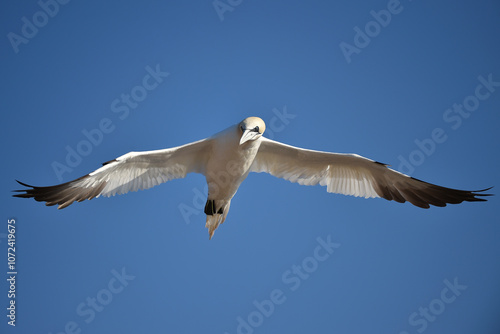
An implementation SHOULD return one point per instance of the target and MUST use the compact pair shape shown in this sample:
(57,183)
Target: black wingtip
(24,192)
(22,196)
(475,193)
(23,184)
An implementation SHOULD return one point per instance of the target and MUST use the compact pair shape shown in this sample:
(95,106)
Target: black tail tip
(210,208)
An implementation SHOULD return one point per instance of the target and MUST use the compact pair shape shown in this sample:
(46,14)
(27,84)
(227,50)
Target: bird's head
(251,128)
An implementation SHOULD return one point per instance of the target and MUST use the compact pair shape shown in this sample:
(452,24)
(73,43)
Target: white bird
(229,156)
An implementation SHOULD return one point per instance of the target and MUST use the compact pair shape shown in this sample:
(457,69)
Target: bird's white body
(229,156)
(229,163)
(227,166)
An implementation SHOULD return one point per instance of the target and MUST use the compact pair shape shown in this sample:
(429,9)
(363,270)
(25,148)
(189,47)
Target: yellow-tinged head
(251,128)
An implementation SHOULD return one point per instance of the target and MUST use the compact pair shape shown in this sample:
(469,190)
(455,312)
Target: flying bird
(226,159)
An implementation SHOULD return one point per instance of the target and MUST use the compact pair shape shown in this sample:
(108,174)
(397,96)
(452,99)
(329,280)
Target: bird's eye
(242,128)
(256,129)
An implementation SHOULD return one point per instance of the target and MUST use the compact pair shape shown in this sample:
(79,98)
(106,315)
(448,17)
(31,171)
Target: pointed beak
(247,135)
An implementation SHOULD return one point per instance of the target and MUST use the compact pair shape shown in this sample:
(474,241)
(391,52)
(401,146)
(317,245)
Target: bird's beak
(248,135)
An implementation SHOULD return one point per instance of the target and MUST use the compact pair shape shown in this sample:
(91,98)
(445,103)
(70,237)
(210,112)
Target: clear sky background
(386,96)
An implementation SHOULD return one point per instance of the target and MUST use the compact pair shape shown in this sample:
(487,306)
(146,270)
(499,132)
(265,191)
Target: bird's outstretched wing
(351,174)
(130,172)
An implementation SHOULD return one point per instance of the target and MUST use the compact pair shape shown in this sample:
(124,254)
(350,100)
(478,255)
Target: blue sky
(415,84)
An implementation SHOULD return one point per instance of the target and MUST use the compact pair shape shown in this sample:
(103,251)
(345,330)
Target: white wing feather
(130,172)
(351,174)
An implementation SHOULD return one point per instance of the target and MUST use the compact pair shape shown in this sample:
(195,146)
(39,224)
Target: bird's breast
(227,167)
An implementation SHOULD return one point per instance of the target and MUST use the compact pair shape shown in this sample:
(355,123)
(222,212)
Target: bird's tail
(216,211)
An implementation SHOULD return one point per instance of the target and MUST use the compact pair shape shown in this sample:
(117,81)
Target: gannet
(226,159)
